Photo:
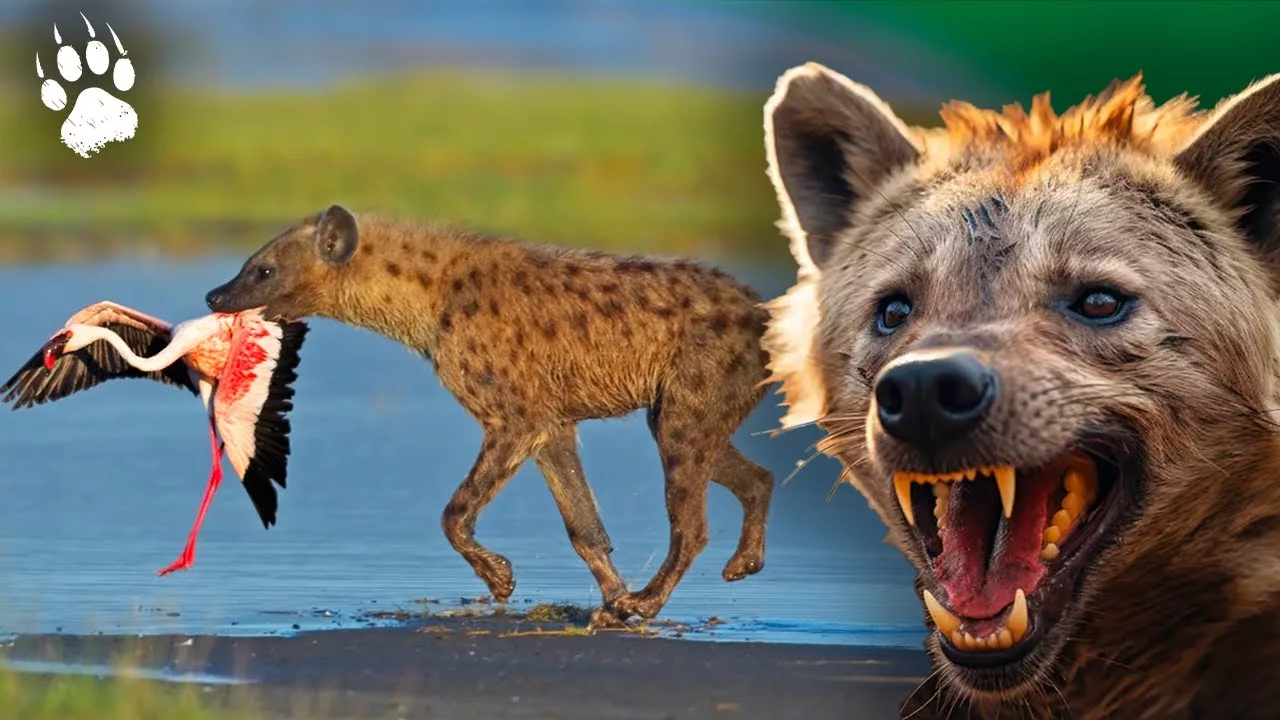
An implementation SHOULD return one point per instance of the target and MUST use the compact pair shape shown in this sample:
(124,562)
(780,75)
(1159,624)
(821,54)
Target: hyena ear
(1235,157)
(337,235)
(830,142)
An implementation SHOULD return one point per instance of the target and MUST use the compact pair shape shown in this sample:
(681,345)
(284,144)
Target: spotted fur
(991,223)
(533,339)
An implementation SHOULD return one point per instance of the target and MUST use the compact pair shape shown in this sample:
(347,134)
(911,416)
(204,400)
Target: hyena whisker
(1054,686)
(937,691)
(954,704)
(886,258)
(894,206)
(800,466)
(1079,196)
(1113,661)
(1026,703)
(839,439)
(832,492)
(817,451)
(775,432)
(843,428)
(844,478)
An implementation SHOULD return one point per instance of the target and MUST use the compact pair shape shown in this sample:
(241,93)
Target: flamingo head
(55,348)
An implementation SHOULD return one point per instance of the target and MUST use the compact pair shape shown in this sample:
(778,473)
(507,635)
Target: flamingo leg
(215,478)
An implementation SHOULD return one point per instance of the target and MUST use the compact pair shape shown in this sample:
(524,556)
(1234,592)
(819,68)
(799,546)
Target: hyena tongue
(986,557)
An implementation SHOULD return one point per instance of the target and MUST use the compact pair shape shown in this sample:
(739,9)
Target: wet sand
(491,667)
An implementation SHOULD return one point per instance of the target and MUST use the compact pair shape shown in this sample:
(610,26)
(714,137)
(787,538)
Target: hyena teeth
(941,501)
(1062,521)
(1006,480)
(947,622)
(1019,617)
(1080,480)
(1013,630)
(1004,475)
(902,485)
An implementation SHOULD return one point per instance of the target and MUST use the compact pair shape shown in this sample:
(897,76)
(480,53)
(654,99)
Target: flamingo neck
(84,335)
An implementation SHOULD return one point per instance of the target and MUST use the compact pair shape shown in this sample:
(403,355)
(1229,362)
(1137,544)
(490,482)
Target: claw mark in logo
(97,117)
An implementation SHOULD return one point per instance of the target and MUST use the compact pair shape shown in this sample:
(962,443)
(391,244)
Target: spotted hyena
(532,340)
(1045,347)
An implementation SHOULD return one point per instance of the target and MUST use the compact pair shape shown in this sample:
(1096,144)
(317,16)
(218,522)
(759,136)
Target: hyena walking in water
(532,340)
(1046,348)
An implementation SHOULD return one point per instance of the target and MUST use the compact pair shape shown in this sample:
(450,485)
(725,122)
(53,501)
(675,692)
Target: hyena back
(531,340)
(1045,348)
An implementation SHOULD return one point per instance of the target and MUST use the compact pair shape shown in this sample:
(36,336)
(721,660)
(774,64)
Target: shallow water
(98,491)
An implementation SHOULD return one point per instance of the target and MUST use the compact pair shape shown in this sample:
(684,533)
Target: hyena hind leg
(688,441)
(561,467)
(752,485)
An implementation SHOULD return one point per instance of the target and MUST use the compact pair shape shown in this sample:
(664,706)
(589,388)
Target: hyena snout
(931,398)
(216,298)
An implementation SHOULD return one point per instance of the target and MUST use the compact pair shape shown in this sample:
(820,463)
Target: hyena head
(298,273)
(1044,348)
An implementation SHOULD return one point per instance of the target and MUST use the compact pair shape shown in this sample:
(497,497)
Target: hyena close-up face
(1044,347)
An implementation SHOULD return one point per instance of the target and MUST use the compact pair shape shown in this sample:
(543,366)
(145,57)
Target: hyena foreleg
(501,454)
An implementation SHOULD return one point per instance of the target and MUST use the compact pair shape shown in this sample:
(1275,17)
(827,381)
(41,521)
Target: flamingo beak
(53,348)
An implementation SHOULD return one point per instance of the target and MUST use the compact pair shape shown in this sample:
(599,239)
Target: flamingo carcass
(239,364)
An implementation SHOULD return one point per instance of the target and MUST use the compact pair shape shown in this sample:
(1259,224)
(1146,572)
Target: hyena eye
(1100,305)
(892,312)
(265,272)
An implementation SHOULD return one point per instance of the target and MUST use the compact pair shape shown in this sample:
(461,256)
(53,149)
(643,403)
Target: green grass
(29,697)
(606,163)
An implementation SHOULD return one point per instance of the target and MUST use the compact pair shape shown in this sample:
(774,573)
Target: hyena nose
(215,298)
(934,398)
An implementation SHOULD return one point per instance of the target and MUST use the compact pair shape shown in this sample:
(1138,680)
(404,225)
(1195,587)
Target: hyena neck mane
(399,280)
(1012,328)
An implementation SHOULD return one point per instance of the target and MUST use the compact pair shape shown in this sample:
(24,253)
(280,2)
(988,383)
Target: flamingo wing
(104,312)
(89,366)
(254,393)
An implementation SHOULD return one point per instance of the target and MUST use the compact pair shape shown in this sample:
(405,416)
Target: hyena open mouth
(1007,546)
(1044,349)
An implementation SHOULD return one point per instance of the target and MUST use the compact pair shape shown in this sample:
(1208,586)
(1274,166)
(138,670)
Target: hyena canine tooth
(1045,348)
(532,340)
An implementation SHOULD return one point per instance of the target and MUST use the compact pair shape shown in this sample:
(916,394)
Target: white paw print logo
(97,117)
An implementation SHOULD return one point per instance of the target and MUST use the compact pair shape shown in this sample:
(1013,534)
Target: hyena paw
(97,117)
(742,564)
(495,571)
(643,604)
(604,617)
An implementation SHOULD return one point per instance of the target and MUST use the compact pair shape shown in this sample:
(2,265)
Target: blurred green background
(622,125)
